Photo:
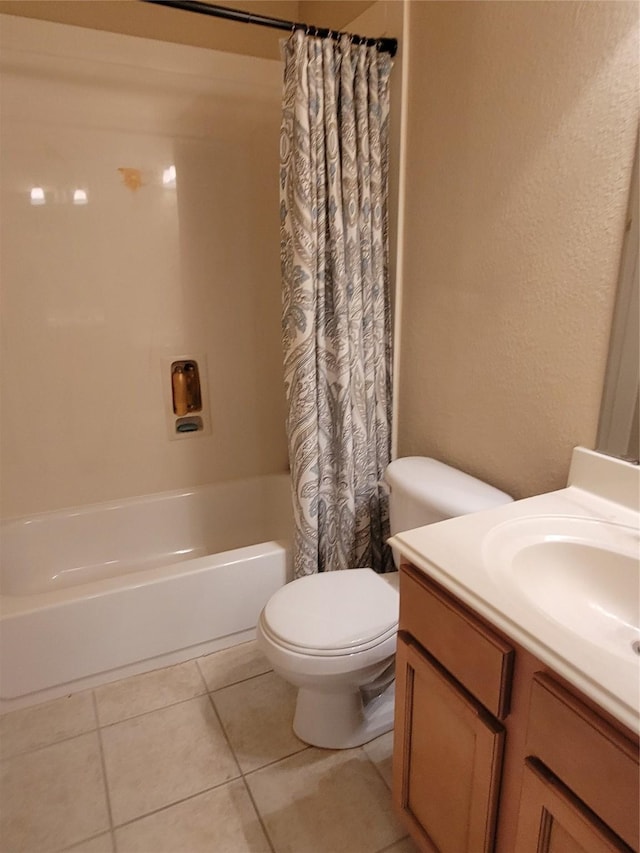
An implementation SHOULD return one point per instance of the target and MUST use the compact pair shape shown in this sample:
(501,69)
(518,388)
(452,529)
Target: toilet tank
(423,491)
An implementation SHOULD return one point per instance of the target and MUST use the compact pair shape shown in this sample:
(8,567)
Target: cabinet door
(595,762)
(447,758)
(552,820)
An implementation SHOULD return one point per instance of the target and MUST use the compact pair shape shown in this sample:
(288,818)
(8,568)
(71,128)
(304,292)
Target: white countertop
(453,553)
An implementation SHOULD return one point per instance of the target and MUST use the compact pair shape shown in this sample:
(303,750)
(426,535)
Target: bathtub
(92,594)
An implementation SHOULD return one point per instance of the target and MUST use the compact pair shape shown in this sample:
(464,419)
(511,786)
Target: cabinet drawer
(592,758)
(468,649)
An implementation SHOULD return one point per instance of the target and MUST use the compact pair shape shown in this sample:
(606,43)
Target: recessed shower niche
(185,383)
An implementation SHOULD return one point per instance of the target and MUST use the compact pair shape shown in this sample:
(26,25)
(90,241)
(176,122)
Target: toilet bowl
(333,635)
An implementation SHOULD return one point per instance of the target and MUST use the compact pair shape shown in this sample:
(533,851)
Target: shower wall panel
(139,222)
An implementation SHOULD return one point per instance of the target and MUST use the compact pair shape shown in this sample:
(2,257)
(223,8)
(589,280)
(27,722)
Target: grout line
(244,775)
(393,844)
(177,802)
(98,726)
(205,692)
(104,773)
(262,766)
(259,816)
(33,749)
(224,732)
(240,681)
(152,711)
(241,774)
(200,672)
(85,841)
(375,766)
(387,786)
(278,760)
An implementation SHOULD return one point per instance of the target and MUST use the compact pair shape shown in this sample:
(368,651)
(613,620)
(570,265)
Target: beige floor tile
(162,757)
(100,844)
(232,665)
(322,801)
(404,846)
(257,715)
(41,725)
(148,692)
(380,751)
(223,820)
(53,797)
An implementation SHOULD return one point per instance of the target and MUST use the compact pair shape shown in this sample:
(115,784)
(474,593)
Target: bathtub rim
(13,606)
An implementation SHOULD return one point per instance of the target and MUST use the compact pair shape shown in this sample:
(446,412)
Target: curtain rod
(385,45)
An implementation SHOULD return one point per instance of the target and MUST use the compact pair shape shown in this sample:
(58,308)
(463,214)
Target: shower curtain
(336,318)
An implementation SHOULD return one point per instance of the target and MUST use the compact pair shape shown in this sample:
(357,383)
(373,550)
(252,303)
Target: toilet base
(342,720)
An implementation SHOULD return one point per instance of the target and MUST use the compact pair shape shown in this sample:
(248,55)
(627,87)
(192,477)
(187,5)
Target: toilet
(333,635)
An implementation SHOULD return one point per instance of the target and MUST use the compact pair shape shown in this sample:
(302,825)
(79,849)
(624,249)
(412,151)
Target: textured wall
(326,13)
(521,127)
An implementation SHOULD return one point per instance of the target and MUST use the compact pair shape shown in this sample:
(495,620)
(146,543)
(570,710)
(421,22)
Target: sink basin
(583,574)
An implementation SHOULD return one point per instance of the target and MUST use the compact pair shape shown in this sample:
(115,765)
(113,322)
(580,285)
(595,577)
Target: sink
(581,573)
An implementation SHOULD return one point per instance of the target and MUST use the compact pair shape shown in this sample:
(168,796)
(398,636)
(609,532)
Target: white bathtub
(91,594)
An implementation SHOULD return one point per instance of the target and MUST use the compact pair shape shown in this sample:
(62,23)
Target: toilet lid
(334,611)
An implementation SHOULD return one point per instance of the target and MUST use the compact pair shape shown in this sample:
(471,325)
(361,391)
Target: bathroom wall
(520,128)
(96,295)
(521,125)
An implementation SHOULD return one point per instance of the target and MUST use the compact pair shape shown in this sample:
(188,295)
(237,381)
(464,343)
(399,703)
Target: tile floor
(198,757)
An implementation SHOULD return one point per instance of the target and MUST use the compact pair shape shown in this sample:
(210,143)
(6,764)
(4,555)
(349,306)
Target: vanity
(518,672)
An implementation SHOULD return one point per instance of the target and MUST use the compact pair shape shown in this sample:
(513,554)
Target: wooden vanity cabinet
(453,676)
(493,752)
(447,786)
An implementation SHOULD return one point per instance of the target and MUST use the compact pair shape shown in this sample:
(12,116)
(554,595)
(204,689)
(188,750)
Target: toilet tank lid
(447,489)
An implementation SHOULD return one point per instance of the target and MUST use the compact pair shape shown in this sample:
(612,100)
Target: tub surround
(171,150)
(457,554)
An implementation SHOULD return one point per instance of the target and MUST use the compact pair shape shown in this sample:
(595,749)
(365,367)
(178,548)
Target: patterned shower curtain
(336,319)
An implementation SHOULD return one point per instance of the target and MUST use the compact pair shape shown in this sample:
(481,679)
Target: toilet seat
(333,614)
